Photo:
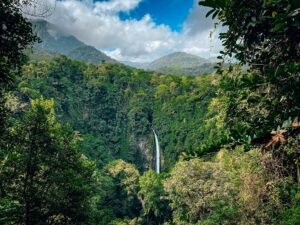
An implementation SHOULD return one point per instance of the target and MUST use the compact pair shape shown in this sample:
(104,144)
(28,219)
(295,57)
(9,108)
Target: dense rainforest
(76,142)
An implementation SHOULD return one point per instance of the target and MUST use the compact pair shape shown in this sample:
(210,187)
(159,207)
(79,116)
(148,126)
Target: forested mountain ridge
(75,138)
(115,106)
(178,63)
(90,55)
(55,41)
(177,59)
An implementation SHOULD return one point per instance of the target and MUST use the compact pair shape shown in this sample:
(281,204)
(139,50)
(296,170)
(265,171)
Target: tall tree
(44,175)
(15,35)
(125,177)
(152,197)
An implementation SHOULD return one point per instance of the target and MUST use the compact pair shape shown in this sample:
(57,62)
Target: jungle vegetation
(76,145)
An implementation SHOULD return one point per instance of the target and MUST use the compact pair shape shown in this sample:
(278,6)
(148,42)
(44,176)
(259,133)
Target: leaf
(215,14)
(278,136)
(278,26)
(208,3)
(209,12)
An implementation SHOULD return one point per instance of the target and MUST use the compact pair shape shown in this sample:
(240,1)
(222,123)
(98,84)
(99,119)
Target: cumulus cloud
(99,25)
(115,6)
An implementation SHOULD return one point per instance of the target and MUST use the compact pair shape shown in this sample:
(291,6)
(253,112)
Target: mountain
(178,63)
(136,64)
(177,59)
(114,108)
(54,41)
(90,55)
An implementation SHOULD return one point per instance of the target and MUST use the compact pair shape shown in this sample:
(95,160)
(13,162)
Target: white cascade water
(157,152)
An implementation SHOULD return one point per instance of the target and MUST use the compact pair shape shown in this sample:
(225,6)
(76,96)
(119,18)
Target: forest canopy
(76,145)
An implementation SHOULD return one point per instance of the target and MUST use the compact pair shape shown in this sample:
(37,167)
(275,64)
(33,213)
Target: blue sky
(139,30)
(169,12)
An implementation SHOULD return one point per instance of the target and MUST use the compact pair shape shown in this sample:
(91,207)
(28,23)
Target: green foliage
(180,63)
(15,35)
(152,197)
(90,55)
(290,153)
(265,36)
(292,215)
(114,108)
(44,178)
(124,201)
(257,104)
(233,188)
(200,192)
(262,33)
(102,213)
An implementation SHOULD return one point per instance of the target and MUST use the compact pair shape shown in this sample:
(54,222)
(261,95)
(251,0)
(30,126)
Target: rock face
(147,154)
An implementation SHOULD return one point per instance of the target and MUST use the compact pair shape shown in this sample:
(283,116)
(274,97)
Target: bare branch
(38,8)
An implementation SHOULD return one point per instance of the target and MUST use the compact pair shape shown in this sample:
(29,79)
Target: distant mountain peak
(56,41)
(177,59)
(181,54)
(178,63)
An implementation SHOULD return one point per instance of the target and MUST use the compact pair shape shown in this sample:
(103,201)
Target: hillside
(115,106)
(178,63)
(79,141)
(90,55)
(55,41)
(180,59)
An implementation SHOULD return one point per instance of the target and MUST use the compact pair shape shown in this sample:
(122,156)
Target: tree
(152,197)
(201,191)
(124,201)
(15,35)
(44,177)
(263,34)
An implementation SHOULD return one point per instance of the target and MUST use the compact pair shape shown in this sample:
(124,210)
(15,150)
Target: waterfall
(157,151)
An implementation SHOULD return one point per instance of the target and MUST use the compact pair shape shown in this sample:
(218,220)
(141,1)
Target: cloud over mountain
(98,24)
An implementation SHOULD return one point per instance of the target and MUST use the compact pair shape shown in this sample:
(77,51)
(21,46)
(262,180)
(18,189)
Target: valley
(86,139)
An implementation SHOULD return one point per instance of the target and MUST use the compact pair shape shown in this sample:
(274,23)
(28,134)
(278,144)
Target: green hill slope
(114,108)
(180,59)
(90,55)
(178,63)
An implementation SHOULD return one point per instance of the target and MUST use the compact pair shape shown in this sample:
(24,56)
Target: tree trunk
(298,173)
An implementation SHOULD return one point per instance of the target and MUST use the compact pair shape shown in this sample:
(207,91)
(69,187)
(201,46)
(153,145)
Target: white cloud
(114,6)
(99,25)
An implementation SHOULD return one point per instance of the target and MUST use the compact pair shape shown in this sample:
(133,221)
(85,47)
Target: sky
(139,30)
